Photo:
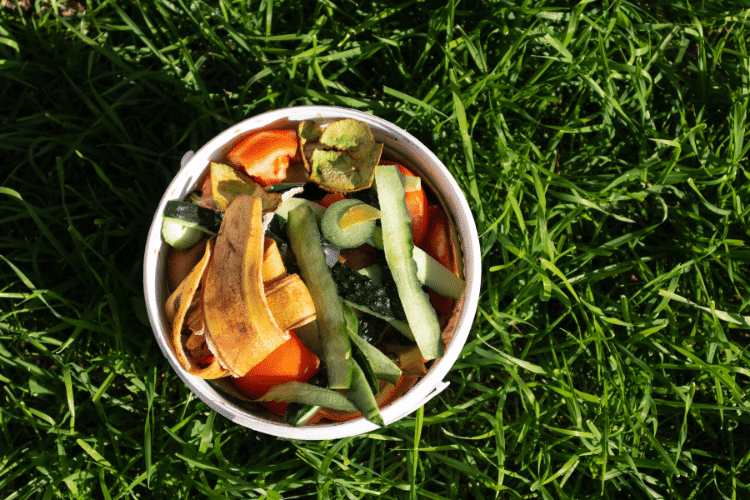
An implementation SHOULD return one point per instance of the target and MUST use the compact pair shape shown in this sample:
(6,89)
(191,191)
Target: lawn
(602,146)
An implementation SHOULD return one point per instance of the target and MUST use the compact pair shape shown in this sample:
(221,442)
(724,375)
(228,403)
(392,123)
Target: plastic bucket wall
(399,144)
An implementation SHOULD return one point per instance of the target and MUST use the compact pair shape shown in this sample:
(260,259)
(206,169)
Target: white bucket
(399,145)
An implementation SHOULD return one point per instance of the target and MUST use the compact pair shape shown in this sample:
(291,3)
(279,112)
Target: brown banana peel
(273,268)
(241,329)
(177,308)
(290,302)
(287,301)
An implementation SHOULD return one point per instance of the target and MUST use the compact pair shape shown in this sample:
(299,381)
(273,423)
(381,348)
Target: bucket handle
(185,159)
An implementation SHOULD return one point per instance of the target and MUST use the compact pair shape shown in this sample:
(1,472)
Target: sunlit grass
(602,147)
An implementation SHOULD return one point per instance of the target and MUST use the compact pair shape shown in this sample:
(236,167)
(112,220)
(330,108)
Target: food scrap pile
(310,272)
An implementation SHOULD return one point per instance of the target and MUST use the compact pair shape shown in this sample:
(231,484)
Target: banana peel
(177,307)
(248,300)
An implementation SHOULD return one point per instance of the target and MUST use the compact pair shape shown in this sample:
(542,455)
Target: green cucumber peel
(398,325)
(430,272)
(382,366)
(374,272)
(288,205)
(298,414)
(304,239)
(411,182)
(359,357)
(362,396)
(399,250)
(308,394)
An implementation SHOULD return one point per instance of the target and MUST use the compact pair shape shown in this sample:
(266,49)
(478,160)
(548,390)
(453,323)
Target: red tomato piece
(289,362)
(265,155)
(208,197)
(330,199)
(439,246)
(205,360)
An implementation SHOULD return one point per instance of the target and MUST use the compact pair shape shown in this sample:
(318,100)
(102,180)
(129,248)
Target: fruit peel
(342,157)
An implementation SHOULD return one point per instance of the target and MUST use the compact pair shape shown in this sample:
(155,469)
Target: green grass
(602,147)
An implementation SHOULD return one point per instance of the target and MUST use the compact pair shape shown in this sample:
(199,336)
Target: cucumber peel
(411,182)
(282,213)
(298,414)
(430,272)
(361,395)
(192,215)
(397,324)
(399,251)
(382,366)
(308,394)
(359,357)
(304,239)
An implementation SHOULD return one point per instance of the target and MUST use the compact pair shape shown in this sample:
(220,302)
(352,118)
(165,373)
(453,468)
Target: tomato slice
(207,200)
(205,360)
(290,362)
(438,245)
(265,155)
(330,199)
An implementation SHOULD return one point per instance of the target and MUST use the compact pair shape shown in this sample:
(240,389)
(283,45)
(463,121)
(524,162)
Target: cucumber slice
(351,237)
(192,215)
(399,250)
(305,241)
(178,235)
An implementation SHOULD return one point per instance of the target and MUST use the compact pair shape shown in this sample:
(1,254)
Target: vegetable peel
(342,157)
